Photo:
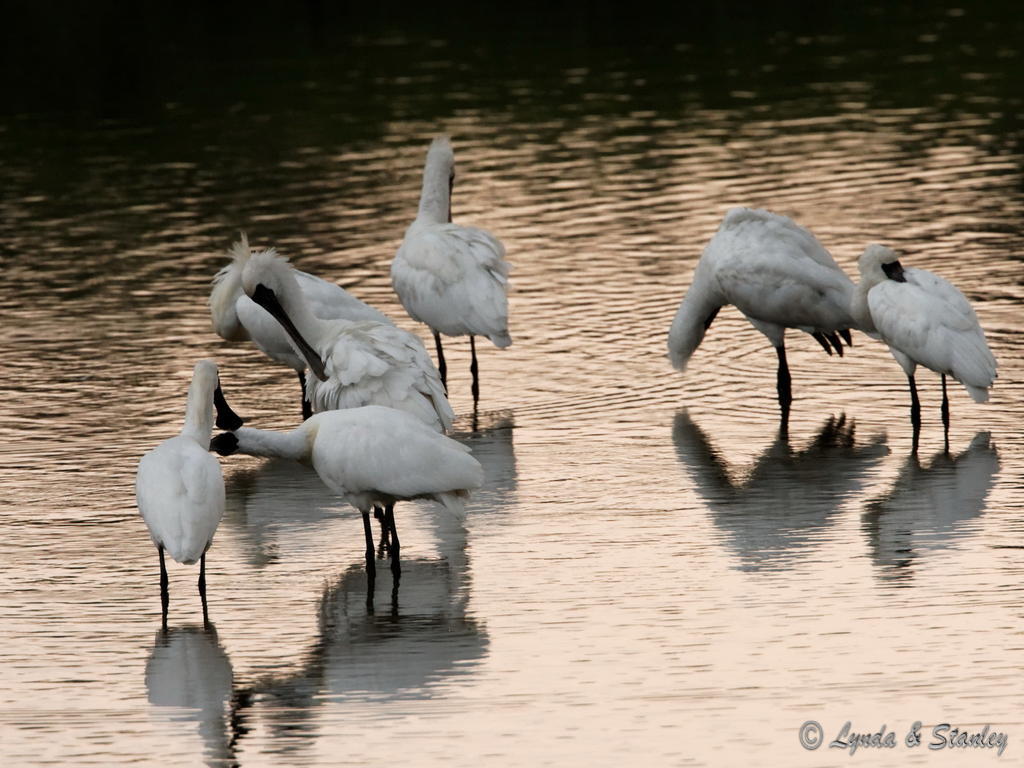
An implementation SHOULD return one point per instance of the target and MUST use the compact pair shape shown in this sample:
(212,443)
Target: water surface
(651,571)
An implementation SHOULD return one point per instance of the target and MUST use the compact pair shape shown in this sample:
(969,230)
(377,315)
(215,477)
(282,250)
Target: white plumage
(236,317)
(371,456)
(453,278)
(925,321)
(778,275)
(354,363)
(179,486)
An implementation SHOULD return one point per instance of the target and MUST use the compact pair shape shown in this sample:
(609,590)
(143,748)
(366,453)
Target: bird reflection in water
(928,506)
(189,671)
(401,650)
(787,497)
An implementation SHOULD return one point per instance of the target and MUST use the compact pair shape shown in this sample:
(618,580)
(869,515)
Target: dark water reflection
(930,506)
(189,677)
(785,502)
(601,600)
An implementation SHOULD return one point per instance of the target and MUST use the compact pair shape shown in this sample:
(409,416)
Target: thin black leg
(371,566)
(396,547)
(165,598)
(474,369)
(915,411)
(307,408)
(784,384)
(441,367)
(945,413)
(202,588)
(385,544)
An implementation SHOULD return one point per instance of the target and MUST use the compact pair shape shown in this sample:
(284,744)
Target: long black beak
(894,271)
(267,299)
(226,418)
(451,187)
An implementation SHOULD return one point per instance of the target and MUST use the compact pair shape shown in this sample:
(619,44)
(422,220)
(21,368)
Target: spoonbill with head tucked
(236,317)
(353,363)
(453,278)
(370,456)
(779,276)
(179,487)
(925,321)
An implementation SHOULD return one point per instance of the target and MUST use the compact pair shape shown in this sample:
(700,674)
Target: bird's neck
(859,309)
(295,445)
(199,410)
(435,197)
(695,314)
(226,290)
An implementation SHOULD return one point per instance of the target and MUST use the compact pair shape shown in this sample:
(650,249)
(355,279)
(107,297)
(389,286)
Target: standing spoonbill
(353,363)
(179,487)
(370,456)
(778,275)
(236,317)
(453,278)
(925,321)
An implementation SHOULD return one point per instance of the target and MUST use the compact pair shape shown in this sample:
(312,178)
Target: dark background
(109,58)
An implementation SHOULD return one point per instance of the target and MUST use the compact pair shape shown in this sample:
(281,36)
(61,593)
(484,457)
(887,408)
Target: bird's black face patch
(225,444)
(265,297)
(894,271)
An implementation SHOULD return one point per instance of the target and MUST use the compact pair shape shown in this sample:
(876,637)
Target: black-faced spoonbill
(925,321)
(179,486)
(353,363)
(453,278)
(370,456)
(236,317)
(778,275)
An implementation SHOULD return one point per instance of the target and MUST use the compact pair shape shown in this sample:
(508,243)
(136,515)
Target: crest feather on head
(267,267)
(241,252)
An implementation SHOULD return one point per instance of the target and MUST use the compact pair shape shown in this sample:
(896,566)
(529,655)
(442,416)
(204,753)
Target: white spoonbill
(453,278)
(925,321)
(778,275)
(179,487)
(353,363)
(236,317)
(370,456)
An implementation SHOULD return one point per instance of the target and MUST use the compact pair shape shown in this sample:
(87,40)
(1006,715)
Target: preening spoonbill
(370,456)
(353,363)
(453,278)
(179,487)
(236,317)
(778,275)
(925,321)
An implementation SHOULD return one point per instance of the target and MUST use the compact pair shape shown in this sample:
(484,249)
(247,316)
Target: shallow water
(650,572)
